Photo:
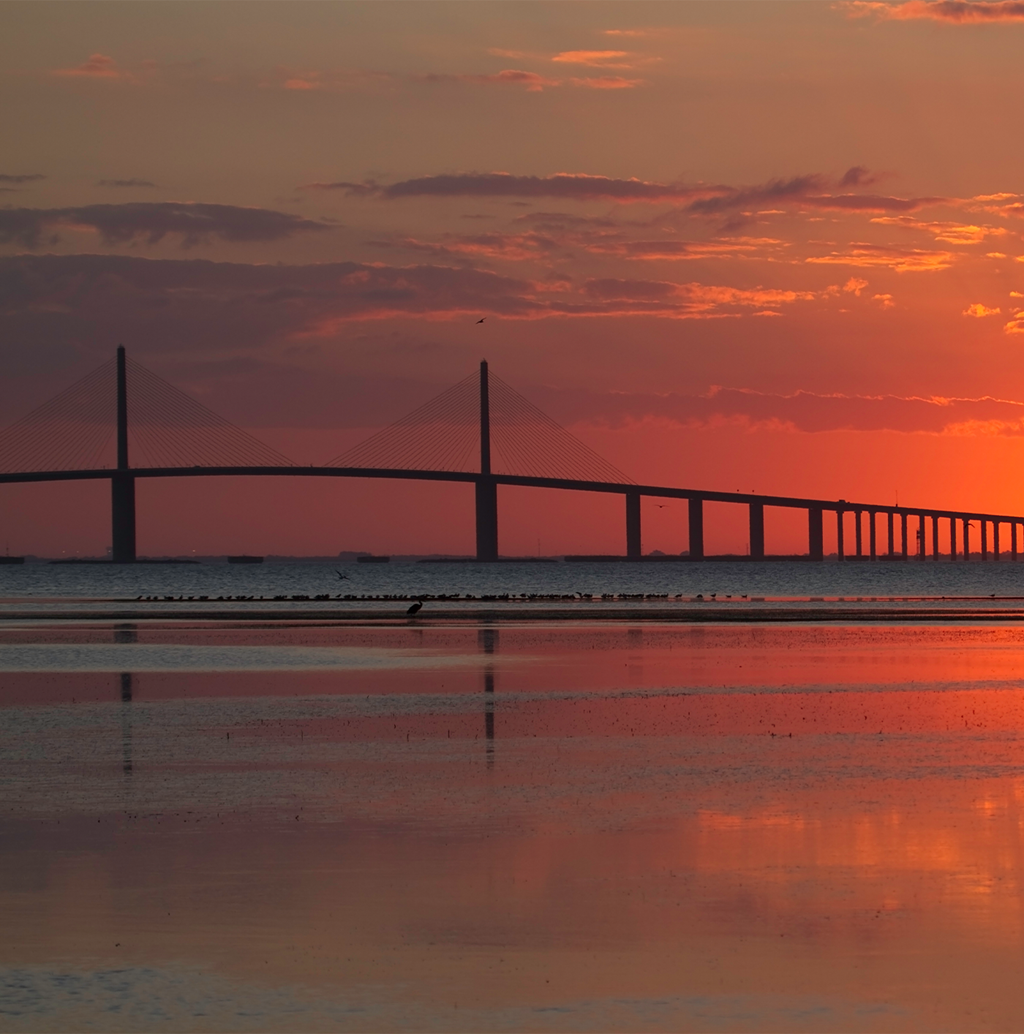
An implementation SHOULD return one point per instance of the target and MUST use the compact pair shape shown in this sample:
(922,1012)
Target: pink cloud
(595,58)
(532,82)
(609,82)
(959,12)
(869,256)
(99,66)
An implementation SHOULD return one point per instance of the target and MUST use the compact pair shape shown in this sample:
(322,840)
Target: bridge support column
(903,535)
(967,539)
(892,537)
(920,536)
(486,520)
(935,537)
(858,532)
(633,550)
(840,536)
(122,518)
(122,484)
(984,539)
(952,539)
(1013,541)
(696,514)
(872,542)
(757,531)
(815,534)
(995,541)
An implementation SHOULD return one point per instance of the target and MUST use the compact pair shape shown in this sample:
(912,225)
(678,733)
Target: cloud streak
(957,12)
(700,199)
(99,66)
(125,183)
(150,222)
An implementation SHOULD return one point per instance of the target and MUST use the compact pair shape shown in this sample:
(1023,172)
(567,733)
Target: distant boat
(373,559)
(243,559)
(12,560)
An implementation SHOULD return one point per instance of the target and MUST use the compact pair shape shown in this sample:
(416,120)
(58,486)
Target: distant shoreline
(480,612)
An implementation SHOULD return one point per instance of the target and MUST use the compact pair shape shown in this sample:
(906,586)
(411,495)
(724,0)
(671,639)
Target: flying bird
(339,574)
(481,320)
(415,608)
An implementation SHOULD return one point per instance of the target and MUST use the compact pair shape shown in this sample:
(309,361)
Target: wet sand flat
(540,827)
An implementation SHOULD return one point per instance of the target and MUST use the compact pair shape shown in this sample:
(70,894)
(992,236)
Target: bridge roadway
(486,485)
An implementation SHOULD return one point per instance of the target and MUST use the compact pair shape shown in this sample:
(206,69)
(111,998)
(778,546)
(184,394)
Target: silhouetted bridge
(480,422)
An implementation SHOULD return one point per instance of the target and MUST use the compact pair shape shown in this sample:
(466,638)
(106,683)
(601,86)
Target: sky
(760,246)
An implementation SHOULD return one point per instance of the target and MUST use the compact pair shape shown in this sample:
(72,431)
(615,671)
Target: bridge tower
(486,487)
(122,484)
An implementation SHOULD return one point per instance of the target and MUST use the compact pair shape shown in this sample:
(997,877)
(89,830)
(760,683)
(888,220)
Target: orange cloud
(854,286)
(1015,326)
(979,311)
(959,12)
(885,300)
(353,79)
(595,58)
(876,255)
(532,82)
(949,232)
(99,66)
(674,250)
(609,82)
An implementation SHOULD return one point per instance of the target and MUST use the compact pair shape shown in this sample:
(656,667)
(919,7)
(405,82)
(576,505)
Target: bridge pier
(872,542)
(995,541)
(840,535)
(815,534)
(122,484)
(696,515)
(757,531)
(486,486)
(935,537)
(984,539)
(967,538)
(1013,541)
(486,519)
(858,530)
(903,535)
(122,518)
(633,540)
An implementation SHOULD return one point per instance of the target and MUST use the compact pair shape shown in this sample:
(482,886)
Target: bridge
(480,432)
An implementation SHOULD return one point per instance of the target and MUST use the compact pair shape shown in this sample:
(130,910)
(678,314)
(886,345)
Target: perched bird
(481,320)
(339,574)
(415,608)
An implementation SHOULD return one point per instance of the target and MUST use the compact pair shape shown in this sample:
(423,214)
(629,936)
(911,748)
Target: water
(231,822)
(762,579)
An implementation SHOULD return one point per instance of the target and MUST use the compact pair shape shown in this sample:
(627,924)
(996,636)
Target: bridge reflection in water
(480,432)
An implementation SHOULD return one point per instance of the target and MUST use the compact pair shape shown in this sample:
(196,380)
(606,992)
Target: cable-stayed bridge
(480,431)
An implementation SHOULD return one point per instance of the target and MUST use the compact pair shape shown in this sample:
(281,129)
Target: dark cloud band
(152,222)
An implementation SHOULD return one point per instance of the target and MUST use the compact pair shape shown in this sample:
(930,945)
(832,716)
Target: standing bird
(415,608)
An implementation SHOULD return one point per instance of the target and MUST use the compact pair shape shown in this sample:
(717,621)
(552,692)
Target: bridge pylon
(122,483)
(486,487)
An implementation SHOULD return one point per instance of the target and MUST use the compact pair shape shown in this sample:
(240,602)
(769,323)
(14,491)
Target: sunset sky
(760,246)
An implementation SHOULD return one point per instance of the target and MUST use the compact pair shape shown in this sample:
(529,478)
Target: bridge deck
(563,484)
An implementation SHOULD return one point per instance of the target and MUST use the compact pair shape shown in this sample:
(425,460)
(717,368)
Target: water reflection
(766,829)
(488,641)
(126,634)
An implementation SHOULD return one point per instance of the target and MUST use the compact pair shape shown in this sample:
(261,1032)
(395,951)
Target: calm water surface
(544,826)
